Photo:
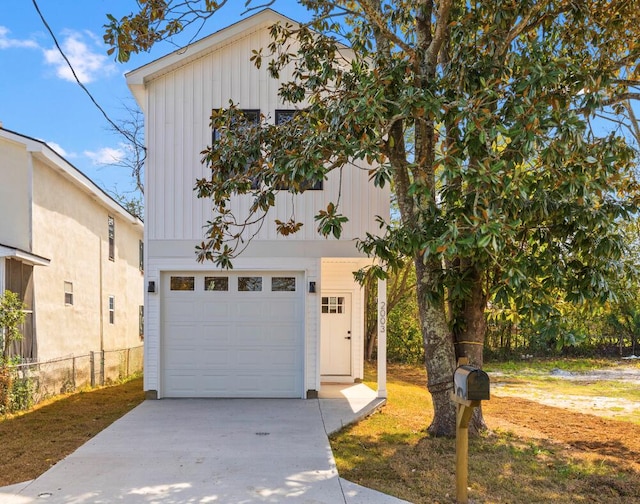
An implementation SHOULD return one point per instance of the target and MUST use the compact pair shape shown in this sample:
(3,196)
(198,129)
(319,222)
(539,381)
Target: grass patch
(544,366)
(35,440)
(586,388)
(538,454)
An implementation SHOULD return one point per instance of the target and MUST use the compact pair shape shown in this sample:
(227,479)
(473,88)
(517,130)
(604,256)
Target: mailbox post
(471,385)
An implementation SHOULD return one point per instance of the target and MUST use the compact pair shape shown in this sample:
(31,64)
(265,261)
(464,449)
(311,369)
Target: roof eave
(137,78)
(23,255)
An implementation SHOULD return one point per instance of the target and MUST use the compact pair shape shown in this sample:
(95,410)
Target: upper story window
(112,309)
(282,116)
(68,293)
(252,116)
(141,255)
(112,238)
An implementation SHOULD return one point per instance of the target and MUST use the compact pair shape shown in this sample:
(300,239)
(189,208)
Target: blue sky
(39,97)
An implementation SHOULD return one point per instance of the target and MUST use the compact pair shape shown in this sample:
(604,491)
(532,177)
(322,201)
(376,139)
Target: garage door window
(283,284)
(182,283)
(249,284)
(216,283)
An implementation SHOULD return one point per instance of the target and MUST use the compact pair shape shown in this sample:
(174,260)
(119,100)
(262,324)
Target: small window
(182,283)
(332,304)
(216,283)
(141,321)
(112,238)
(249,284)
(68,293)
(283,284)
(112,309)
(141,255)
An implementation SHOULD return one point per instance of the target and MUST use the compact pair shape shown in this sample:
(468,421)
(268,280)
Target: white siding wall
(179,106)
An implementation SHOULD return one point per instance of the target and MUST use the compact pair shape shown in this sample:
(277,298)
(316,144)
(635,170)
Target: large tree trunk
(471,329)
(439,352)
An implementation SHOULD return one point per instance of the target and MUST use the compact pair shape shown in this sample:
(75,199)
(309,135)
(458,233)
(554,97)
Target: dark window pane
(252,116)
(216,283)
(282,116)
(112,309)
(68,293)
(112,238)
(283,284)
(332,304)
(316,186)
(182,283)
(249,284)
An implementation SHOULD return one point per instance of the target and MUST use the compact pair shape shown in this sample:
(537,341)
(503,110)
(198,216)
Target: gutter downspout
(100,300)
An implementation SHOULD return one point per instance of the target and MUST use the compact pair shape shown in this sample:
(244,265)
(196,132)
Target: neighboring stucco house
(289,316)
(71,252)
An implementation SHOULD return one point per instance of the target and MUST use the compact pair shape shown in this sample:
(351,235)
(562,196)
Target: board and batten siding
(178,109)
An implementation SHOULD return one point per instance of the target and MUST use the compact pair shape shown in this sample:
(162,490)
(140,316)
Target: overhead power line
(115,126)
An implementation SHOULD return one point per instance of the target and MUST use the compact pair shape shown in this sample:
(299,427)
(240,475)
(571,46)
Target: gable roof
(41,151)
(136,79)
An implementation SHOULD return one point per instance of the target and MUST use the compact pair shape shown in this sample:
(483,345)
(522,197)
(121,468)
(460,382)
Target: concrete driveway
(210,451)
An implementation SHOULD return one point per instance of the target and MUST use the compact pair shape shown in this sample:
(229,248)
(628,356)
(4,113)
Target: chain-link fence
(35,381)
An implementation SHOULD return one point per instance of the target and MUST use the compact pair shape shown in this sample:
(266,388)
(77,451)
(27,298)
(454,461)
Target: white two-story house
(289,316)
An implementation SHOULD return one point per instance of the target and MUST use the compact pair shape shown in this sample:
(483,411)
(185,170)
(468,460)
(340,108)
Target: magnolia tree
(481,116)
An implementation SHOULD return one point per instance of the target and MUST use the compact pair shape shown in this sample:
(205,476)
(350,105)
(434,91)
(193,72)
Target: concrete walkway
(232,451)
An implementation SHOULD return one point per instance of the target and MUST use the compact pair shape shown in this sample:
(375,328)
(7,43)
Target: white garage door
(232,334)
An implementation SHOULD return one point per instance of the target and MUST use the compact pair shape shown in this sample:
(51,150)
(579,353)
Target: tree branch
(375,16)
(440,33)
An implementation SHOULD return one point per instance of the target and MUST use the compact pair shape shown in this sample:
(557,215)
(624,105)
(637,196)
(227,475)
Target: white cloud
(7,42)
(87,62)
(56,147)
(106,156)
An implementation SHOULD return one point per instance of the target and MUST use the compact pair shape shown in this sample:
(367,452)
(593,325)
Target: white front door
(336,334)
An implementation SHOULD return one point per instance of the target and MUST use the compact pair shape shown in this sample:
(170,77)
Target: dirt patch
(586,436)
(583,425)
